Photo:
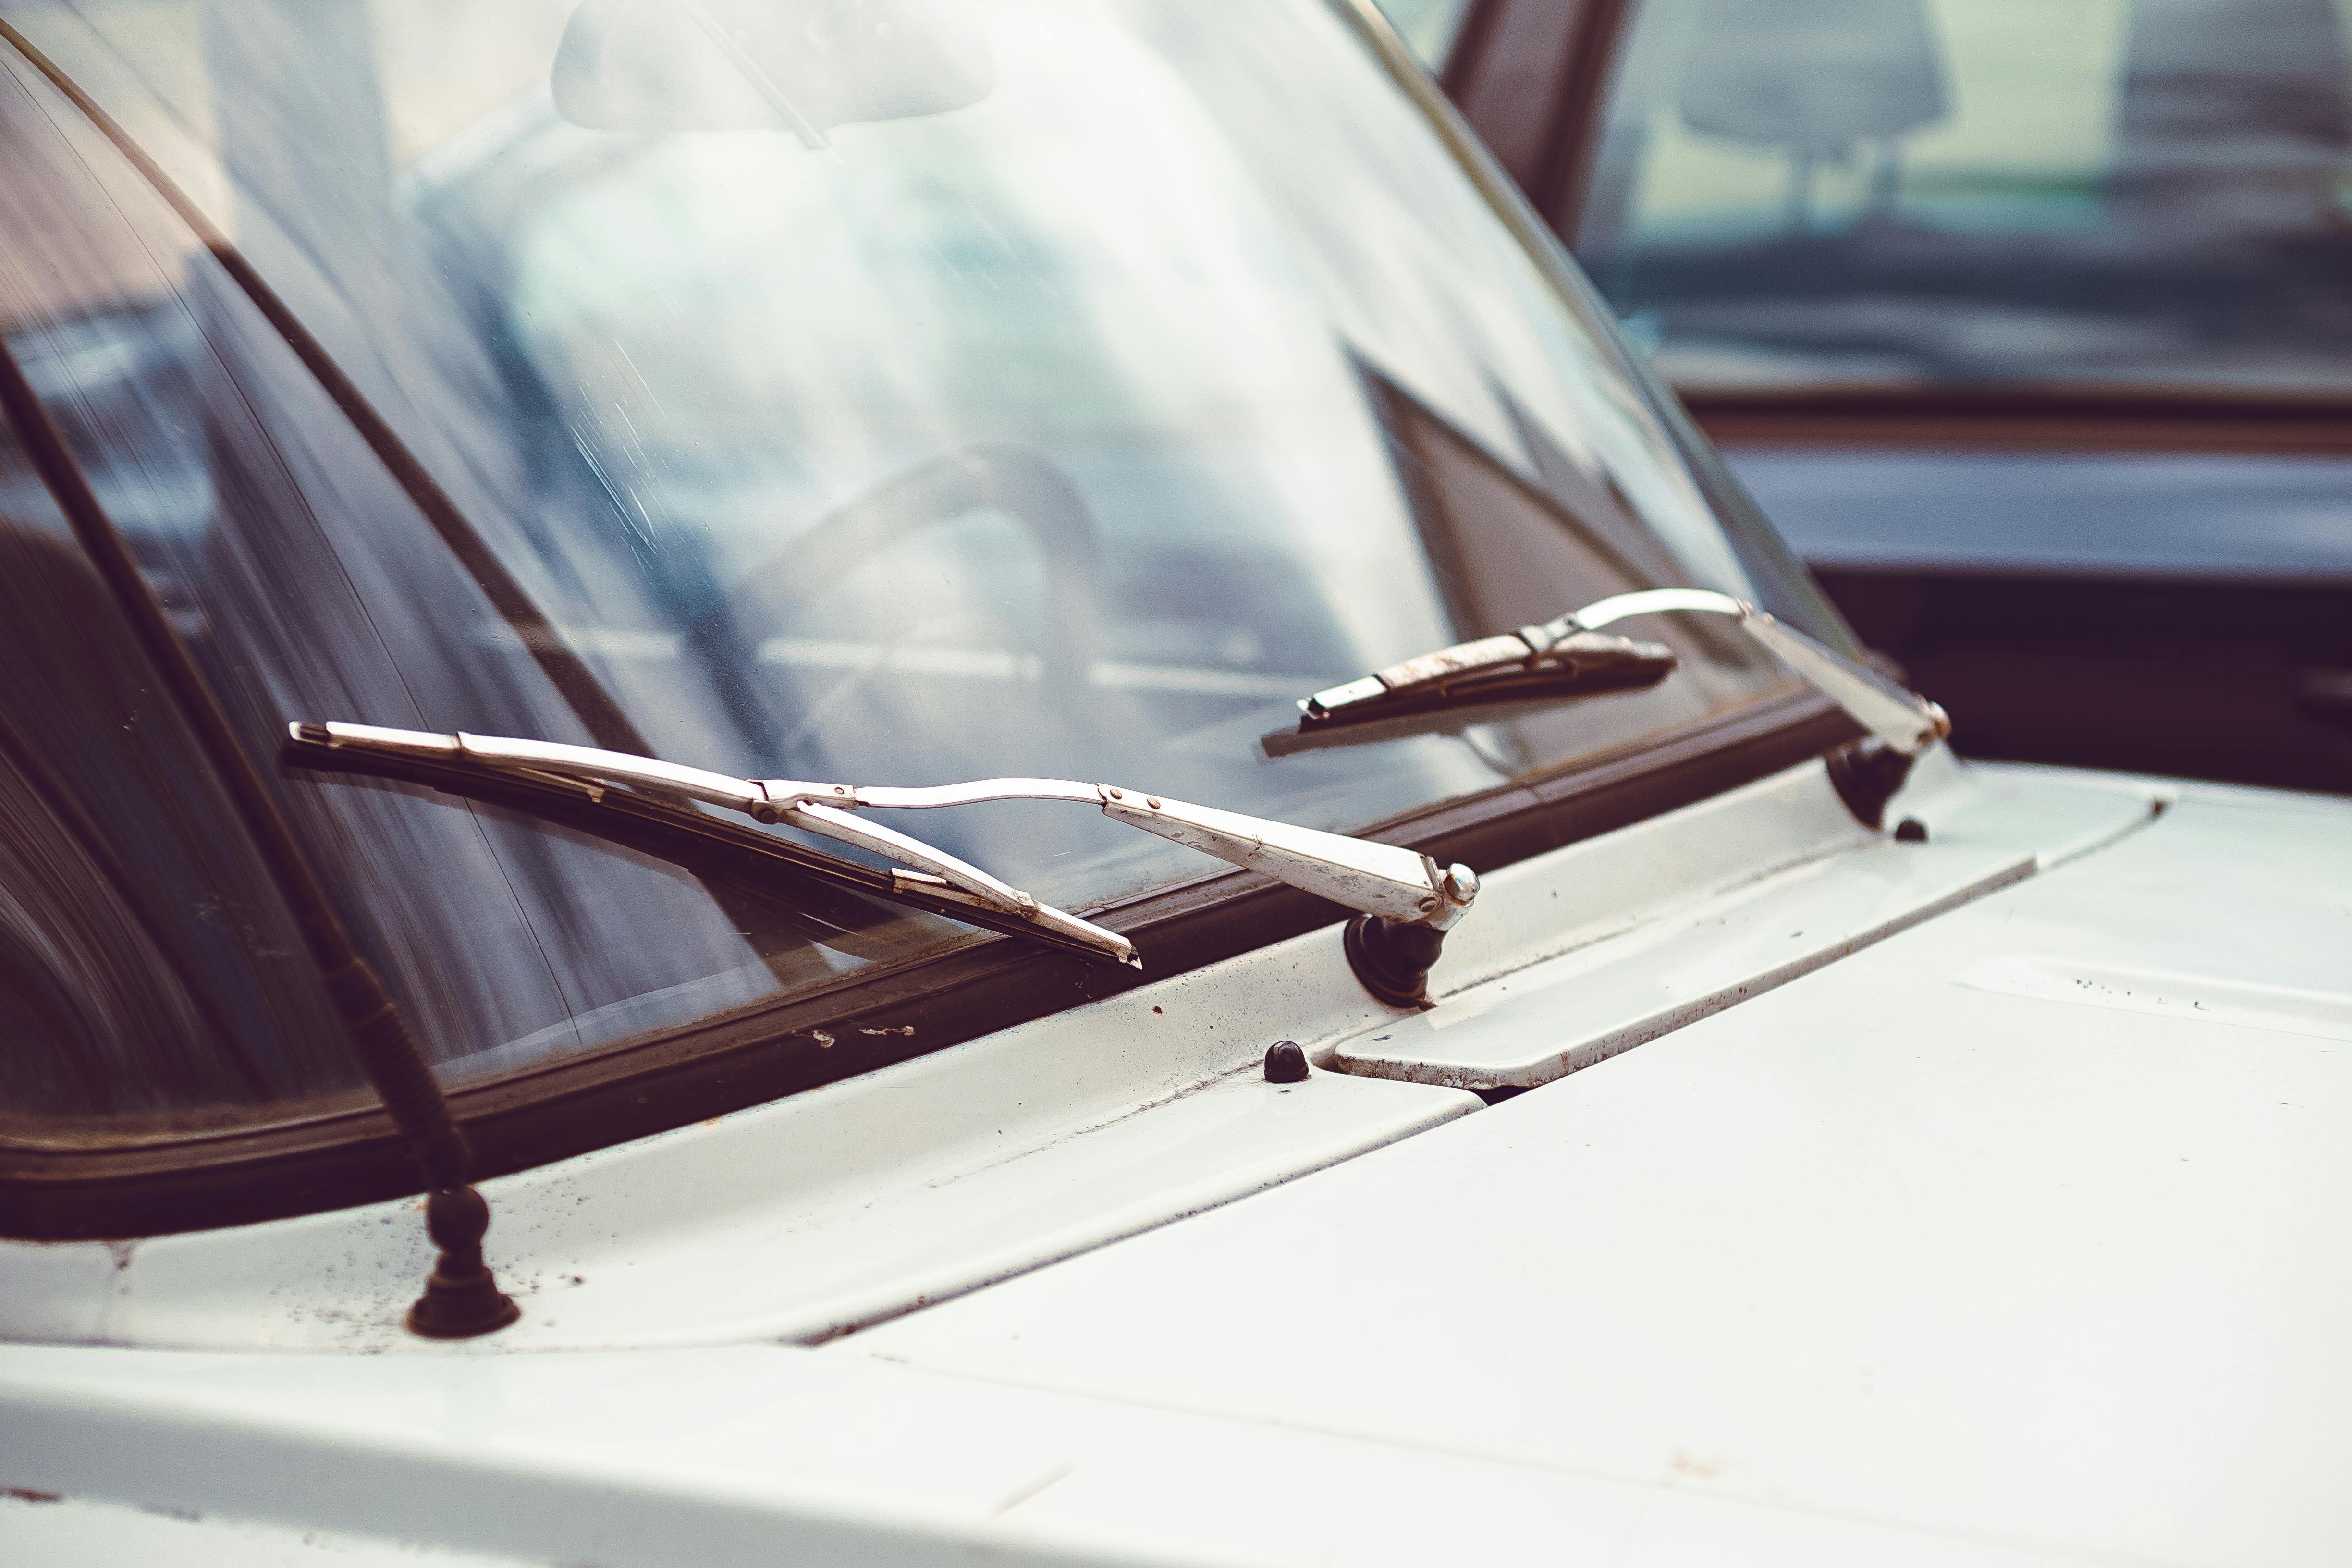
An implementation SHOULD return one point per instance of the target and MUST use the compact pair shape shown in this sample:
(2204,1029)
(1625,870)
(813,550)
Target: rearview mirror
(804,66)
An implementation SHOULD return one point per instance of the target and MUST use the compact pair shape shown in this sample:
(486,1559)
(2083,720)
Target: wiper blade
(625,796)
(820,889)
(1474,683)
(1399,887)
(1568,656)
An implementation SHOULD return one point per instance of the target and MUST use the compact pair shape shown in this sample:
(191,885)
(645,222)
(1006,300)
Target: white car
(1608,1086)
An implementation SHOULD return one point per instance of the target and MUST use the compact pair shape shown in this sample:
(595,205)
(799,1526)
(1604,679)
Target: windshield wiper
(1471,683)
(1406,900)
(1569,657)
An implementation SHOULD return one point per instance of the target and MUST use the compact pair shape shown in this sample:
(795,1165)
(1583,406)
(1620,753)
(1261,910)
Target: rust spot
(31,1494)
(1155,1009)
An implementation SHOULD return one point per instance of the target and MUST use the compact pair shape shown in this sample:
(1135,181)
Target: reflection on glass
(1060,390)
(1429,27)
(2150,193)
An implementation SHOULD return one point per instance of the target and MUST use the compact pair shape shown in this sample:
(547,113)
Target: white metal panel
(870,1196)
(757,1455)
(1679,941)
(851,1201)
(1879,1245)
(828,1210)
(43,1530)
(1567,1014)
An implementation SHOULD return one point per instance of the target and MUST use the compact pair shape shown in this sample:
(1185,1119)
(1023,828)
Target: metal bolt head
(1285,1063)
(1461,883)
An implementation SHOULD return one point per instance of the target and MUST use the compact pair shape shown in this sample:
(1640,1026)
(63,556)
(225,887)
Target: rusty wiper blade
(812,882)
(1397,887)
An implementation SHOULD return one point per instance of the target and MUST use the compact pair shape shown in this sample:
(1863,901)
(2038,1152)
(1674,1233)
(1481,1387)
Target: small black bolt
(1285,1063)
(1911,830)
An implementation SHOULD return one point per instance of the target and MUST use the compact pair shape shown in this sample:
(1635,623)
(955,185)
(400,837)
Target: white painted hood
(1999,1222)
(2031,1226)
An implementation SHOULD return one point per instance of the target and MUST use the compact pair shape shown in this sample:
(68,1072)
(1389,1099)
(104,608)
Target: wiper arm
(1569,657)
(1905,722)
(1392,887)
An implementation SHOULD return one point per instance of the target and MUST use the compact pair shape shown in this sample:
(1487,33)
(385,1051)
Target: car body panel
(1905,1261)
(861,1200)
(1955,1233)
(754,1455)
(1961,1195)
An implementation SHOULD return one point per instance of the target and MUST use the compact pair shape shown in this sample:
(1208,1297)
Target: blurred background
(2026,320)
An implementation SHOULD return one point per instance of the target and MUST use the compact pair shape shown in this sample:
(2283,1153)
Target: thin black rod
(460,1299)
(573,680)
(161,932)
(289,869)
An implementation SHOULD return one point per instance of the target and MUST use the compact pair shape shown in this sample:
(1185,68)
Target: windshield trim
(860,1023)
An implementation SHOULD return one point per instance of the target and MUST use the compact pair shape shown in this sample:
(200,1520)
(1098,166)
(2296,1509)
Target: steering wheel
(1016,479)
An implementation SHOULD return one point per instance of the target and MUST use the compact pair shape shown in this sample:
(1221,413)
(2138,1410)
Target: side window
(1881,192)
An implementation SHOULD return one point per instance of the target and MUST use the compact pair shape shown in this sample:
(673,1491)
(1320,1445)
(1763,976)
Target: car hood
(2025,1226)
(1998,1223)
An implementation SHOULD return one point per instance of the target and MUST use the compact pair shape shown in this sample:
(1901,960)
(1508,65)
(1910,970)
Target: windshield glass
(1428,26)
(864,390)
(2140,194)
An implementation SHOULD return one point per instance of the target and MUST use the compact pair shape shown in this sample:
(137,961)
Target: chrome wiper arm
(1400,885)
(1904,720)
(919,868)
(1394,886)
(1568,657)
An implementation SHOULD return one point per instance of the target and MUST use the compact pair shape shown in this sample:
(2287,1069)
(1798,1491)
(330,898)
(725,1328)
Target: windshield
(832,389)
(2145,195)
